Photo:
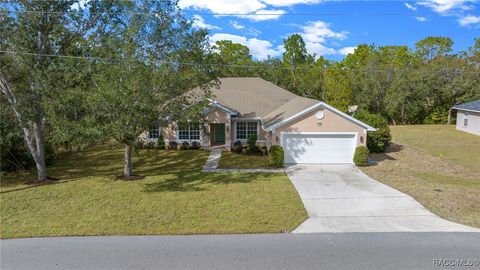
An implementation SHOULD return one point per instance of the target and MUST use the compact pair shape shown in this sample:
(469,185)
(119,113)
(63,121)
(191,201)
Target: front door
(219,133)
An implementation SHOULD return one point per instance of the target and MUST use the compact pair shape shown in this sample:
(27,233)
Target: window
(244,128)
(154,132)
(188,131)
(465,121)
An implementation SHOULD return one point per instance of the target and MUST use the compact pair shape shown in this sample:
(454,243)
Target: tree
(433,47)
(148,81)
(25,80)
(228,53)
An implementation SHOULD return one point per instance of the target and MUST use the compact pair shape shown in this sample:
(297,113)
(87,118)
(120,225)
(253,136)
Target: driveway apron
(341,198)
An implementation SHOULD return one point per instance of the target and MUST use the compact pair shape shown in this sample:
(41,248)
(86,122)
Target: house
(468,117)
(310,131)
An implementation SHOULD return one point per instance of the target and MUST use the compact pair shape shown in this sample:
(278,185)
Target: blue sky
(335,28)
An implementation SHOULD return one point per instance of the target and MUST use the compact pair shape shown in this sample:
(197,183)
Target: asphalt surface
(261,251)
(341,198)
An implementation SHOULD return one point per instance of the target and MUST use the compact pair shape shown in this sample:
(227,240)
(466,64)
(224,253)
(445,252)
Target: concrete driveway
(341,198)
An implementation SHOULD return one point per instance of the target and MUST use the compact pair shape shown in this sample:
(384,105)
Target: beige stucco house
(309,130)
(468,117)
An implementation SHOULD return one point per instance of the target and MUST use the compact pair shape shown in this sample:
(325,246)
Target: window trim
(159,128)
(246,120)
(177,132)
(465,120)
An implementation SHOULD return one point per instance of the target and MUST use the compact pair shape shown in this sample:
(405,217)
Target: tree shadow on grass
(195,180)
(379,157)
(105,162)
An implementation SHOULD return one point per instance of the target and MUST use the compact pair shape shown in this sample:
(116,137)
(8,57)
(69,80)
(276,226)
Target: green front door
(219,135)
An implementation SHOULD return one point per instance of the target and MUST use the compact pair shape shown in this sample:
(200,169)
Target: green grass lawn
(442,141)
(231,160)
(174,198)
(438,166)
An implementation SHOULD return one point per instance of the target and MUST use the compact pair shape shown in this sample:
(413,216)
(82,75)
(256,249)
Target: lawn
(231,160)
(442,141)
(174,198)
(435,165)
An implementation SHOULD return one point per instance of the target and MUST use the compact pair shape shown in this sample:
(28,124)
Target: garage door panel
(318,148)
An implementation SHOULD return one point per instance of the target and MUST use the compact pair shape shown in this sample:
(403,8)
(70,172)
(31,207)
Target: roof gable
(316,106)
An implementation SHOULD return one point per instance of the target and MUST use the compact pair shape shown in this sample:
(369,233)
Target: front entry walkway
(341,198)
(213,159)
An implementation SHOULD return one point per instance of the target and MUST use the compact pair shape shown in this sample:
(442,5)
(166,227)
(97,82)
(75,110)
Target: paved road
(274,251)
(341,198)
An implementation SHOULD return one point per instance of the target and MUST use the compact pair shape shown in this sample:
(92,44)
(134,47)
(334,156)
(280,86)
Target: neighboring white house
(468,117)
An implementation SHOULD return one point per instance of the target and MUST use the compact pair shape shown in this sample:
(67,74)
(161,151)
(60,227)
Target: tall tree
(49,28)
(432,47)
(149,81)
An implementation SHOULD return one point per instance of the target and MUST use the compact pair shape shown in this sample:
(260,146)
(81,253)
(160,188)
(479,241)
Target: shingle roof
(251,97)
(288,109)
(470,106)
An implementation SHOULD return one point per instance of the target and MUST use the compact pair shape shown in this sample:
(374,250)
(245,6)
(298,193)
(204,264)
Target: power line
(220,14)
(217,65)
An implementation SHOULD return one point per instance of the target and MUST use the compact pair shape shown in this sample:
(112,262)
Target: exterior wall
(473,122)
(331,122)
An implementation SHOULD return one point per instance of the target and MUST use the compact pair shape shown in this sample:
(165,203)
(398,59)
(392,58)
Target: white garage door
(318,147)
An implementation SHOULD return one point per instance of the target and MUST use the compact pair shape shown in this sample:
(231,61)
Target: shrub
(172,145)
(361,156)
(139,144)
(253,149)
(196,145)
(161,142)
(237,147)
(252,140)
(184,146)
(244,151)
(377,141)
(275,155)
(263,149)
(150,145)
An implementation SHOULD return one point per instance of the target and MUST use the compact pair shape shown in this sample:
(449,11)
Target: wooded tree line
(403,85)
(73,73)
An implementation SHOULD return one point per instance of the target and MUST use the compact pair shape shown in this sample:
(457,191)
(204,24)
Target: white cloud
(236,25)
(264,14)
(199,22)
(284,3)
(421,19)
(347,50)
(411,7)
(445,7)
(260,49)
(245,7)
(468,20)
(315,35)
(224,6)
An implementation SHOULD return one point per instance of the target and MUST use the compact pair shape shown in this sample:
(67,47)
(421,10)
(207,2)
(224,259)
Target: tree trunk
(128,160)
(449,117)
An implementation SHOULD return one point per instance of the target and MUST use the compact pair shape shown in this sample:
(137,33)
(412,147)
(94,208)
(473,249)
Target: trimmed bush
(361,156)
(377,141)
(161,142)
(244,151)
(252,140)
(196,145)
(184,146)
(149,145)
(172,145)
(139,144)
(237,147)
(275,155)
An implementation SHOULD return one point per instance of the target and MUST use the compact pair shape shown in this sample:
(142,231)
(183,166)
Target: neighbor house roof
(469,106)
